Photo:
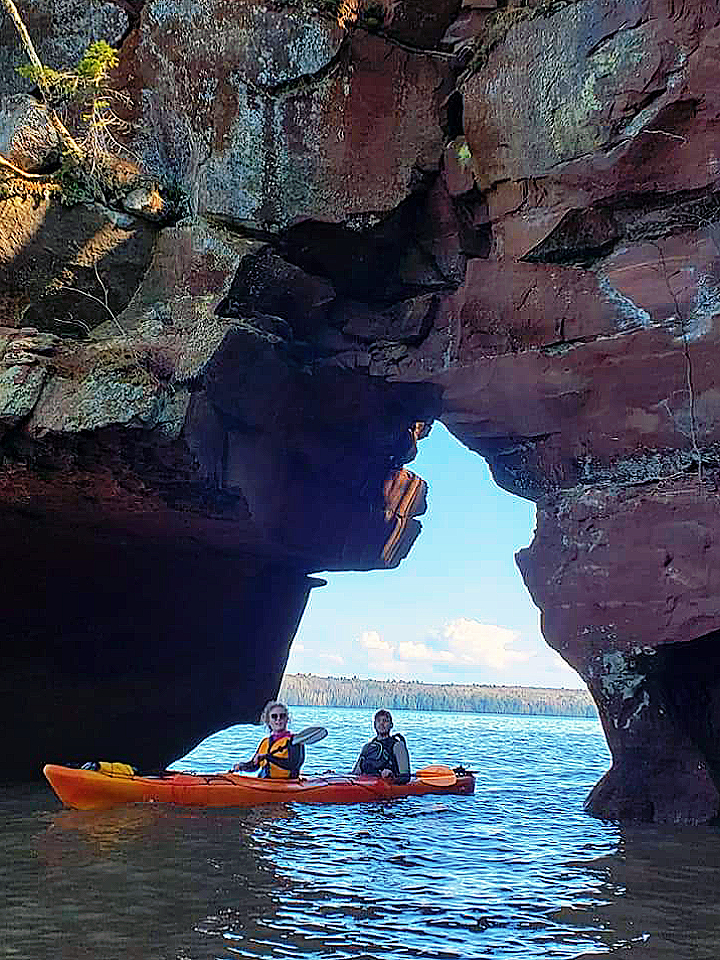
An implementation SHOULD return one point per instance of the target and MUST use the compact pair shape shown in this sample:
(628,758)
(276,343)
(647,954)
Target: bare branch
(102,286)
(24,35)
(74,322)
(62,131)
(91,296)
(664,133)
(18,172)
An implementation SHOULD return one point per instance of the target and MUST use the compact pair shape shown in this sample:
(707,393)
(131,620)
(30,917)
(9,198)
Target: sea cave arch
(396,215)
(456,609)
(166,508)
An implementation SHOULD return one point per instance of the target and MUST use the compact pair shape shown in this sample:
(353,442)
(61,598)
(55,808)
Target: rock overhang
(511,224)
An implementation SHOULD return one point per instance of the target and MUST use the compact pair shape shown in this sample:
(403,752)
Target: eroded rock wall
(503,214)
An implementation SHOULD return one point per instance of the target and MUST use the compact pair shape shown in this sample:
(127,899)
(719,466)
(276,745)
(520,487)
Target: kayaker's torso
(386,753)
(283,758)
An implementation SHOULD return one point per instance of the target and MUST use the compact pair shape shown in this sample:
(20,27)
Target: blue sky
(456,609)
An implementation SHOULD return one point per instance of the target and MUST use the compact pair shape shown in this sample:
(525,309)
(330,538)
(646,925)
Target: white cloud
(372,640)
(482,644)
(332,657)
(461,647)
(394,670)
(408,650)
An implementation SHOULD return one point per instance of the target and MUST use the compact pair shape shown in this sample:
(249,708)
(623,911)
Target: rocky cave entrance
(458,594)
(663,732)
(686,677)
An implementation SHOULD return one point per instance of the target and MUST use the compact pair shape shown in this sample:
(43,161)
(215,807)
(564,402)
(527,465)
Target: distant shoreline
(308,690)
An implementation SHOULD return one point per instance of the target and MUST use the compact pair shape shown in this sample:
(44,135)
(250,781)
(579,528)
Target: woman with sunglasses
(277,756)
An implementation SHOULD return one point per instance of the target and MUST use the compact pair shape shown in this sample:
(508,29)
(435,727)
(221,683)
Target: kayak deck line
(94,790)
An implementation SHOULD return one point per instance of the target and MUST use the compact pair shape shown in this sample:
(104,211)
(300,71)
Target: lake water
(517,871)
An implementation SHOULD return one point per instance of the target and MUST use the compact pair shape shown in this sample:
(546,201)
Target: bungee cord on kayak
(94,790)
(381,772)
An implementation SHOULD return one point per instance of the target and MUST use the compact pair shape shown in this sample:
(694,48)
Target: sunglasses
(278,716)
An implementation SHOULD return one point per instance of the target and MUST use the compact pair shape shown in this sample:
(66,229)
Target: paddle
(310,735)
(437,775)
(306,736)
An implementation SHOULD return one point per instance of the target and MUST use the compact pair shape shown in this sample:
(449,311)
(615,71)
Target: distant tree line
(304,689)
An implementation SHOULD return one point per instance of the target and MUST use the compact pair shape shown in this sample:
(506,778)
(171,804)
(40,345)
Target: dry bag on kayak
(112,769)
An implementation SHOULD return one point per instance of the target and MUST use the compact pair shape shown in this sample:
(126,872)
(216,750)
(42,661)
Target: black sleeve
(358,763)
(403,760)
(247,766)
(295,758)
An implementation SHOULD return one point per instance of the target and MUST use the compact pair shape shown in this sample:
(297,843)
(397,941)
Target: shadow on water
(658,896)
(156,882)
(142,883)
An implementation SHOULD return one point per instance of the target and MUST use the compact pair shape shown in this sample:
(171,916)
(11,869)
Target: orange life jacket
(279,749)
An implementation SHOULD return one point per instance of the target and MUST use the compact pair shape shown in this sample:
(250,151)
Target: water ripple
(516,872)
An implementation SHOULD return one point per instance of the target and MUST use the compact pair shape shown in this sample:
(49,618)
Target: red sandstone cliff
(505,215)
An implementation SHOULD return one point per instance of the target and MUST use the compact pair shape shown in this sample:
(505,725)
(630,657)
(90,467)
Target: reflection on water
(518,871)
(661,895)
(143,881)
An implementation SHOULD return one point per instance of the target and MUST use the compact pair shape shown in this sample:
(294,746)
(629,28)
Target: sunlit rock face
(285,114)
(506,216)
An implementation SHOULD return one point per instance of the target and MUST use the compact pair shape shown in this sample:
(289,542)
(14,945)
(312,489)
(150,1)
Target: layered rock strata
(505,215)
(164,512)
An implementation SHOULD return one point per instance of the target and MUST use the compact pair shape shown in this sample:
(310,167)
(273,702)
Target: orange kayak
(92,790)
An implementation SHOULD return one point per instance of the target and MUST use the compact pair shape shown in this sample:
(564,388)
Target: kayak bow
(93,790)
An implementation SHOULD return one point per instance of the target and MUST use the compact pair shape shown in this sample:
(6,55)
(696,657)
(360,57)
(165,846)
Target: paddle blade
(437,774)
(310,735)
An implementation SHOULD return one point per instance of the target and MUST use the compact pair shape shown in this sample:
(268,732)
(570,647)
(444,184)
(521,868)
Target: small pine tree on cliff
(90,167)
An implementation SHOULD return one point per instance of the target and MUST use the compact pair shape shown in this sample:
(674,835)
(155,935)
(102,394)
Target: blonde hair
(270,705)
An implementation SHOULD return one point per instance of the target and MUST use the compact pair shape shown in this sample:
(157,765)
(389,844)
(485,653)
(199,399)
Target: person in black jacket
(386,755)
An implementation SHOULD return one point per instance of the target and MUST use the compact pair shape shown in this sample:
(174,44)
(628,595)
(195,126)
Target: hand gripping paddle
(306,736)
